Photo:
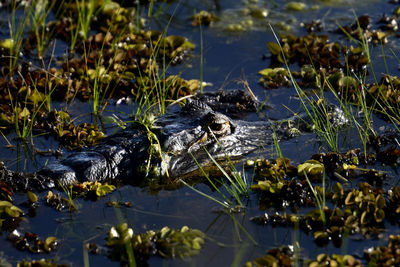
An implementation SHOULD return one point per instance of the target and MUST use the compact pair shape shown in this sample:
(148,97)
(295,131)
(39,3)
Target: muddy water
(229,57)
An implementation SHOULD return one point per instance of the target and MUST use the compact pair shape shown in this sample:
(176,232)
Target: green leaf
(310,167)
(272,72)
(197,243)
(7,43)
(32,197)
(24,113)
(104,189)
(274,48)
(379,215)
(380,202)
(295,6)
(13,211)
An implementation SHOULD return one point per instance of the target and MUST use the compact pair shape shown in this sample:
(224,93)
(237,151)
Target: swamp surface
(73,71)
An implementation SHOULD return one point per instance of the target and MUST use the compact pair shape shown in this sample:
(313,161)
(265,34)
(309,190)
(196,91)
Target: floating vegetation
(273,78)
(367,204)
(31,242)
(56,201)
(40,263)
(60,125)
(274,257)
(8,212)
(166,242)
(274,190)
(363,213)
(110,57)
(92,190)
(375,256)
(334,260)
(298,49)
(6,192)
(295,6)
(87,190)
(204,18)
(360,30)
(385,255)
(32,197)
(273,169)
(311,168)
(356,211)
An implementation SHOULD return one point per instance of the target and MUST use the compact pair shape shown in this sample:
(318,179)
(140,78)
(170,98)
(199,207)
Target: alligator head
(212,136)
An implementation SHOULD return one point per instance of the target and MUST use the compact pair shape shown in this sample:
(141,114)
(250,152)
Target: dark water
(228,57)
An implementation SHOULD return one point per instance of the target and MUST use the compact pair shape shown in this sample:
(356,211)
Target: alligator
(177,144)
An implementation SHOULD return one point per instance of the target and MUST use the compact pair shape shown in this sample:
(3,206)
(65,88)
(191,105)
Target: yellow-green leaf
(32,197)
(274,48)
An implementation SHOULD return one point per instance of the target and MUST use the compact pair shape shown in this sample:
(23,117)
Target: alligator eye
(217,123)
(216,126)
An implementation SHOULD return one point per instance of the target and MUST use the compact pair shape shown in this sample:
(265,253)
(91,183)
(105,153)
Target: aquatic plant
(6,191)
(41,262)
(28,118)
(32,243)
(8,210)
(318,113)
(334,260)
(14,43)
(92,190)
(68,190)
(237,186)
(85,10)
(55,201)
(41,9)
(100,78)
(276,186)
(384,255)
(168,243)
(282,256)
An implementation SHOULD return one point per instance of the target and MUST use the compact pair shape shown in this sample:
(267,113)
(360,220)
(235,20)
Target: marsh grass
(236,186)
(70,194)
(86,9)
(39,13)
(317,112)
(85,253)
(154,88)
(276,145)
(234,190)
(128,243)
(101,80)
(201,59)
(361,100)
(319,195)
(389,109)
(153,82)
(28,115)
(17,29)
